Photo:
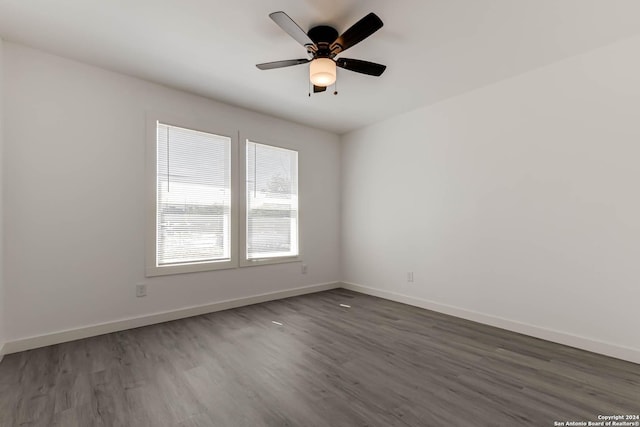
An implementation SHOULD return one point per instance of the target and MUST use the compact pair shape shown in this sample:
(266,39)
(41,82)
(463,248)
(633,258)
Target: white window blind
(193,211)
(272,202)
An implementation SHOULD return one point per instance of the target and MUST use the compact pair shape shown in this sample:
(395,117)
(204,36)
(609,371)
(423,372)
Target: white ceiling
(434,49)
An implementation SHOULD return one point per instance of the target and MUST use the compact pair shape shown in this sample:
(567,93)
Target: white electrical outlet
(410,277)
(141,290)
(303,269)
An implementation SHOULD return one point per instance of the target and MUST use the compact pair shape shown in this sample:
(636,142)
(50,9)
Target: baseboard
(136,322)
(608,349)
(583,343)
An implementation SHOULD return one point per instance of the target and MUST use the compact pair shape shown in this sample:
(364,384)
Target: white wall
(516,204)
(74,197)
(2,303)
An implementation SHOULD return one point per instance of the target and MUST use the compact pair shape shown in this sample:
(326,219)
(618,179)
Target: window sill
(152,271)
(268,261)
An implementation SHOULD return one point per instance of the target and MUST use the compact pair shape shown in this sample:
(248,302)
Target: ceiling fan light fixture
(322,72)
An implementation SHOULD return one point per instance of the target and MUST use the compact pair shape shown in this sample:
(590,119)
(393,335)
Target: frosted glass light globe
(322,72)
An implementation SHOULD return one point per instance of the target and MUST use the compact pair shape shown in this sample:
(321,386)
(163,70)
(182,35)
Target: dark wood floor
(377,363)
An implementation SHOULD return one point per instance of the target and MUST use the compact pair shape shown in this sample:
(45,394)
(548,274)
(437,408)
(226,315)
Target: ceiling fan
(323,45)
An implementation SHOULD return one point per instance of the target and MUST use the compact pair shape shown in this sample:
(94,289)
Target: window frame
(242,226)
(151,267)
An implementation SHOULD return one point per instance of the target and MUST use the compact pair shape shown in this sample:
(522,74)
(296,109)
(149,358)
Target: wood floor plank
(375,363)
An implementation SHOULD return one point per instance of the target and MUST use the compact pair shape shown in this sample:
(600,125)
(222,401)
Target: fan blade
(358,32)
(291,28)
(317,89)
(359,66)
(280,64)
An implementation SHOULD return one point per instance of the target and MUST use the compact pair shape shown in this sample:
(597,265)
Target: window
(193,212)
(271,220)
(201,186)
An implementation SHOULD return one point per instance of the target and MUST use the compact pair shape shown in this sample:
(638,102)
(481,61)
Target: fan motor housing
(323,36)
